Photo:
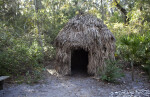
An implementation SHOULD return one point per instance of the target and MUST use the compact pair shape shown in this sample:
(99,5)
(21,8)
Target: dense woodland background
(28,29)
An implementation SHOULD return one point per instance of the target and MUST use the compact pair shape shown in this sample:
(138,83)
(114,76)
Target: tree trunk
(37,7)
(102,8)
(132,66)
(123,11)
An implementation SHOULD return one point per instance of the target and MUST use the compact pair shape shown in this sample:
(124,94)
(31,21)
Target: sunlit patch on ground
(52,72)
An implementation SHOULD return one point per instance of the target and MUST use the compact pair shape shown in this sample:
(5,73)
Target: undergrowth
(111,71)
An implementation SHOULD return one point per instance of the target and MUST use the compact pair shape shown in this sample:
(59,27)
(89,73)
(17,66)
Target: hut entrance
(79,61)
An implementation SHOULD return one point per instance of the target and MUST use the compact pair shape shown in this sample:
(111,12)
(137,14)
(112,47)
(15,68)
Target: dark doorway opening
(79,61)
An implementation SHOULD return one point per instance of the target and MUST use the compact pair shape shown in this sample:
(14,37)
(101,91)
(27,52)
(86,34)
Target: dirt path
(76,86)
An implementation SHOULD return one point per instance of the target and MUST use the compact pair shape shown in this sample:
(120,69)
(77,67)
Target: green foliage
(116,18)
(136,48)
(28,30)
(19,57)
(132,43)
(111,72)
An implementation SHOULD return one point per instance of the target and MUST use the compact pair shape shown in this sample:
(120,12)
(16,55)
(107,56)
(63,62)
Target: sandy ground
(78,85)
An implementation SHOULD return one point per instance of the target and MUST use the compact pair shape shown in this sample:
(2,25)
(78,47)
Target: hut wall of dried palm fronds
(89,33)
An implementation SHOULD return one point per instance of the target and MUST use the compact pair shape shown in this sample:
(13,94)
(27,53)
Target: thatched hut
(84,44)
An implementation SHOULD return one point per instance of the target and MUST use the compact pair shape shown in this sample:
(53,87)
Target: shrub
(132,43)
(18,58)
(21,56)
(111,72)
(136,48)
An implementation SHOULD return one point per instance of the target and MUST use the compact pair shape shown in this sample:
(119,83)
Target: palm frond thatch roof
(89,33)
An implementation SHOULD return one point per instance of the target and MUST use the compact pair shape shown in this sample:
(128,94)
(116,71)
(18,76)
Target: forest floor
(80,85)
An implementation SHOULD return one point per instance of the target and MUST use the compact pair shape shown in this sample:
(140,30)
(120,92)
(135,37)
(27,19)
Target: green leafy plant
(135,48)
(111,72)
(18,58)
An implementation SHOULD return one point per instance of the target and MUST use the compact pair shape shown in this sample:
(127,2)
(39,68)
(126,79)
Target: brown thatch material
(89,33)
